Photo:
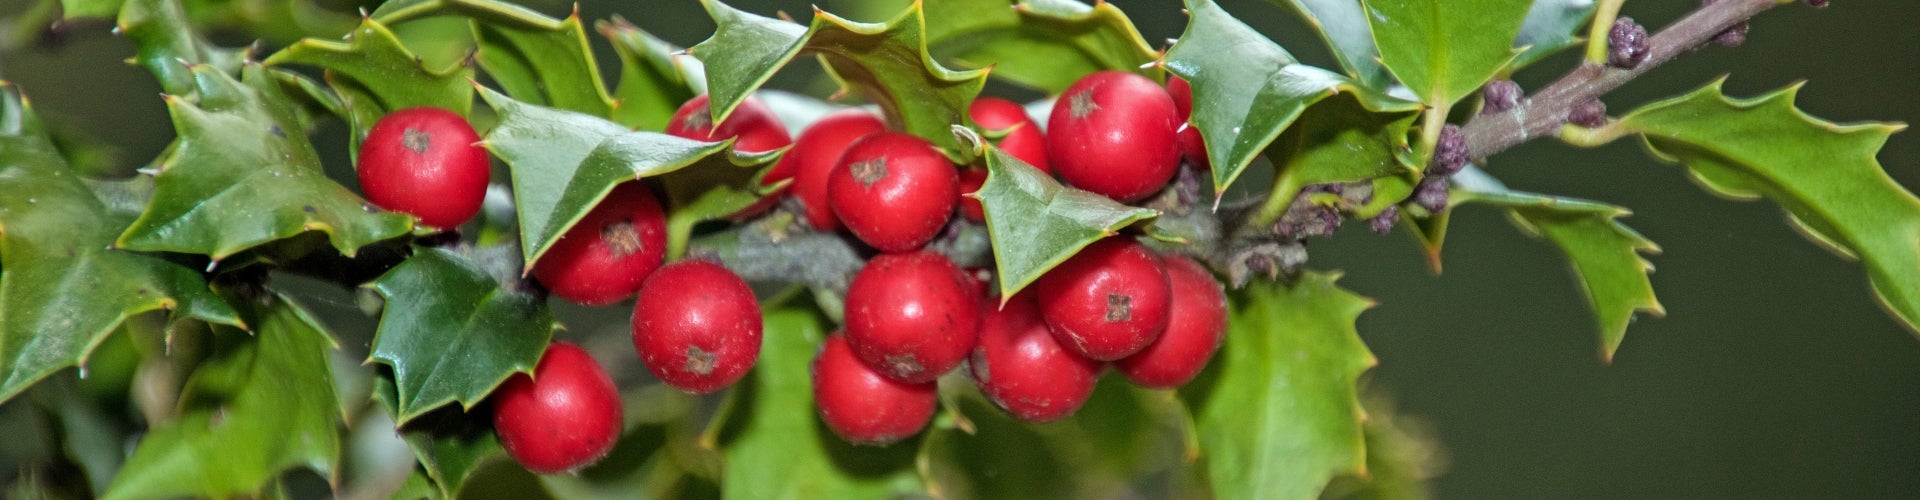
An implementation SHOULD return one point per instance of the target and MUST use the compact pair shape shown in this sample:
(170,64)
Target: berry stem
(1603,16)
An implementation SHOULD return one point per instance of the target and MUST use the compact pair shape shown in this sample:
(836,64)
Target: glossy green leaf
(450,443)
(1343,24)
(73,9)
(1122,435)
(1044,44)
(1036,223)
(1825,175)
(242,174)
(1247,90)
(780,449)
(169,48)
(886,63)
(1551,25)
(262,404)
(652,82)
(382,75)
(453,332)
(63,290)
(1339,141)
(1277,409)
(1444,50)
(548,63)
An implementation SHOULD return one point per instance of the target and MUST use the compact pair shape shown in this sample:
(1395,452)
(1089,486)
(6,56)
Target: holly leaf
(1043,44)
(1343,24)
(63,290)
(1277,410)
(1551,25)
(1247,90)
(241,174)
(653,83)
(376,74)
(1402,456)
(450,443)
(169,48)
(262,404)
(887,63)
(1036,223)
(1824,175)
(545,62)
(1122,432)
(74,9)
(452,331)
(1340,141)
(780,449)
(1444,50)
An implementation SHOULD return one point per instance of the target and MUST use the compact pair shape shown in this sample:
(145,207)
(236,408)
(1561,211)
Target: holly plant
(915,279)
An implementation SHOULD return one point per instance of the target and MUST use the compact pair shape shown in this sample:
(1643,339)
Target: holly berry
(1108,301)
(970,181)
(814,155)
(1024,140)
(605,257)
(893,190)
(1114,133)
(424,162)
(565,417)
(1192,146)
(1024,370)
(862,406)
(754,128)
(1196,324)
(696,326)
(912,316)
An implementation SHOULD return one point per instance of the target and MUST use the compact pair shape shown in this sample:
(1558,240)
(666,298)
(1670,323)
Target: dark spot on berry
(700,119)
(1119,307)
(416,140)
(870,171)
(1082,104)
(621,238)
(904,365)
(699,361)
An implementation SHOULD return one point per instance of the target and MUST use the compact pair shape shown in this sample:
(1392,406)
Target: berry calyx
(1024,370)
(1627,43)
(862,406)
(424,162)
(1024,140)
(565,417)
(1114,133)
(1196,324)
(609,253)
(814,155)
(912,316)
(1108,301)
(696,326)
(894,191)
(754,129)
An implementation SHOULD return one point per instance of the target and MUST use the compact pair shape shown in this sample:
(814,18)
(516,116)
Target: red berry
(696,326)
(893,190)
(1108,301)
(1022,368)
(970,181)
(1192,147)
(1196,324)
(565,417)
(755,129)
(1024,141)
(912,316)
(814,155)
(862,406)
(424,162)
(605,257)
(1112,133)
(1182,94)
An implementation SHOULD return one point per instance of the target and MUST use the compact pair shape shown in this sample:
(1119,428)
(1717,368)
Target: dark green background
(1775,374)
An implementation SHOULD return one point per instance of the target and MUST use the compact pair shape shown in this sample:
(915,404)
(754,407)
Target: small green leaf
(886,63)
(1444,50)
(450,443)
(1277,409)
(1551,25)
(452,332)
(1343,24)
(547,63)
(64,290)
(780,449)
(1044,44)
(383,74)
(169,48)
(1339,141)
(652,82)
(1036,223)
(74,9)
(262,404)
(242,174)
(1247,90)
(1825,175)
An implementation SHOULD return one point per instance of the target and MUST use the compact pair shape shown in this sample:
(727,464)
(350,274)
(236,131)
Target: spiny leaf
(1044,44)
(453,332)
(1277,409)
(1343,24)
(168,47)
(1825,175)
(383,74)
(450,443)
(548,64)
(1551,25)
(262,404)
(1443,50)
(886,63)
(63,290)
(1247,90)
(1339,141)
(1403,455)
(1036,223)
(241,174)
(653,82)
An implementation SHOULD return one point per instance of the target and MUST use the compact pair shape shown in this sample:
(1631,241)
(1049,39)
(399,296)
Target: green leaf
(1122,434)
(1343,24)
(886,63)
(1402,456)
(242,174)
(64,290)
(1247,90)
(1825,175)
(169,48)
(1551,25)
(780,449)
(1277,410)
(1036,223)
(450,443)
(1340,141)
(1444,50)
(546,62)
(453,332)
(1044,44)
(376,74)
(74,9)
(260,405)
(652,82)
